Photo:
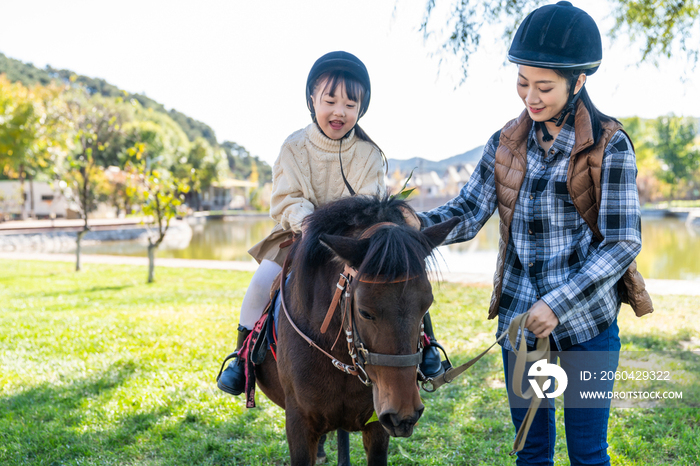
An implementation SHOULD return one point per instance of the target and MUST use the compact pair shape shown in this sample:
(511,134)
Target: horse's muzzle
(398,426)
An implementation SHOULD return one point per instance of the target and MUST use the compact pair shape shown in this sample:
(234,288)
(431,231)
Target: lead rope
(522,357)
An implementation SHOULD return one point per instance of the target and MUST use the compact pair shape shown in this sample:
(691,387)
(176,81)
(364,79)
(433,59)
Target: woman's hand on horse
(411,218)
(542,320)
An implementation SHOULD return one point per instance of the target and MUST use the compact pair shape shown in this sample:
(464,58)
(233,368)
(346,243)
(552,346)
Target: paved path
(655,286)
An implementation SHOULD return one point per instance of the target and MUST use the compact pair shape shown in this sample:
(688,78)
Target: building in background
(47,202)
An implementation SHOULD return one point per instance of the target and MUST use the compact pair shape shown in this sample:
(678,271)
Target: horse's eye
(365,315)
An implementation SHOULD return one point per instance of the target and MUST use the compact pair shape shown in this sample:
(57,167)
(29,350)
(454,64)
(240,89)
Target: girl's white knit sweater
(307,175)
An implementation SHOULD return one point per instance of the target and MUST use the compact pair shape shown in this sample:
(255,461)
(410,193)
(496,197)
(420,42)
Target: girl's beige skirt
(269,248)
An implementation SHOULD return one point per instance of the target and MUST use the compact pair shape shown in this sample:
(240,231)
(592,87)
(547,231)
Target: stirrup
(446,364)
(228,358)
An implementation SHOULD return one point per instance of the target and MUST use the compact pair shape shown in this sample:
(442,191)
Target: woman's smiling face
(336,113)
(543,91)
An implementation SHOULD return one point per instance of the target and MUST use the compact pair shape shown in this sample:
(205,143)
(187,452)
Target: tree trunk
(151,261)
(81,233)
(23,211)
(32,212)
(77,249)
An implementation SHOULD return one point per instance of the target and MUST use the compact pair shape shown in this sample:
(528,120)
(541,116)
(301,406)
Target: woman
(562,175)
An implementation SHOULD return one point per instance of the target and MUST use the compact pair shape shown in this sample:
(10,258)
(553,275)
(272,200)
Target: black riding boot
(232,380)
(432,366)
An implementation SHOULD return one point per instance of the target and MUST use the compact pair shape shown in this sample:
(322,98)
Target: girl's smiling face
(544,92)
(336,113)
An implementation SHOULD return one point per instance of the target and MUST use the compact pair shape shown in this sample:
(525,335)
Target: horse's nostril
(389,419)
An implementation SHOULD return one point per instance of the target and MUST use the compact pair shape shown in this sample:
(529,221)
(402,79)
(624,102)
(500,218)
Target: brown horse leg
(376,442)
(302,441)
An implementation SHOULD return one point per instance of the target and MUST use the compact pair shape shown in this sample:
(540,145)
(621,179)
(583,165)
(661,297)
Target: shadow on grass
(94,289)
(42,424)
(68,424)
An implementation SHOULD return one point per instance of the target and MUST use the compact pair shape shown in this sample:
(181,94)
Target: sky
(241,66)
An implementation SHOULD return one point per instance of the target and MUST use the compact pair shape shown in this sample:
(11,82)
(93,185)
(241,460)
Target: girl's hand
(542,320)
(410,217)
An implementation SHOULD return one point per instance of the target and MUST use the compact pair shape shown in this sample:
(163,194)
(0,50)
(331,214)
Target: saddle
(267,339)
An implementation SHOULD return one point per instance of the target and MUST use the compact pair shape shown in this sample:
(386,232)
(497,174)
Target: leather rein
(342,298)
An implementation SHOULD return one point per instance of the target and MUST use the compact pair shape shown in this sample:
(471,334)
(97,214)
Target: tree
(163,140)
(660,26)
(203,166)
(161,197)
(675,149)
(95,122)
(30,139)
(642,134)
(241,163)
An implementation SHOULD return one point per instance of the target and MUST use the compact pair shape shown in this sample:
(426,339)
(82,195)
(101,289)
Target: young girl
(562,175)
(307,174)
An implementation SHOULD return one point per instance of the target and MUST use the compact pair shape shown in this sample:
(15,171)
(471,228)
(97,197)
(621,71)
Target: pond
(670,249)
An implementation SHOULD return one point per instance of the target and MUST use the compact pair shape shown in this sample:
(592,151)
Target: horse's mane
(393,252)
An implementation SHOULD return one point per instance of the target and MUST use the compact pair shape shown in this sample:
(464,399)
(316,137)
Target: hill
(471,156)
(28,74)
(240,161)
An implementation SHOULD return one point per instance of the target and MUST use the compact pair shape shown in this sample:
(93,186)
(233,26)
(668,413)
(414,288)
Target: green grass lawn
(98,367)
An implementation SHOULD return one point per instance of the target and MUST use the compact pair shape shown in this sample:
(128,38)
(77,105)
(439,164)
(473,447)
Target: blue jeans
(586,428)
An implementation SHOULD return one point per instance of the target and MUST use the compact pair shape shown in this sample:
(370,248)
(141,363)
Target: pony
(383,304)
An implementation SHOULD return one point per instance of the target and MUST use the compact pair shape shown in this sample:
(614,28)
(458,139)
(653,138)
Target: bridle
(343,299)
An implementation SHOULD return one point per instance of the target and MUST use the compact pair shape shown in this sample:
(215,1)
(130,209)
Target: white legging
(258,293)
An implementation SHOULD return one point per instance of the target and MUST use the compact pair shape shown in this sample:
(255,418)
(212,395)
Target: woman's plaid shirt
(552,254)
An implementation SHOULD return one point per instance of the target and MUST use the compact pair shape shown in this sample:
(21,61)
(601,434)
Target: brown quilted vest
(583,183)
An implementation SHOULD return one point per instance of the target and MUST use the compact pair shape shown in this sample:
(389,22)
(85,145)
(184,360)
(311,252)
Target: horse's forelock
(346,217)
(396,253)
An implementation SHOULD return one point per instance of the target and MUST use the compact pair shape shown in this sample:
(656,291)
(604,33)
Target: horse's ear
(436,234)
(350,250)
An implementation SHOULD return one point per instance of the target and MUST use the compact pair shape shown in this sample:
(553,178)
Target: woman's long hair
(597,117)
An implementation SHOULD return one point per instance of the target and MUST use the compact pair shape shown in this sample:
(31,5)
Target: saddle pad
(277,304)
(266,341)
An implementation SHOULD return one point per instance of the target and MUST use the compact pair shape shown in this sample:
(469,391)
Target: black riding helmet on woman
(564,39)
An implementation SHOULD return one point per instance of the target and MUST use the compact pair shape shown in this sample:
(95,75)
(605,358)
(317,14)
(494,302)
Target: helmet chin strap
(340,158)
(571,106)
(570,109)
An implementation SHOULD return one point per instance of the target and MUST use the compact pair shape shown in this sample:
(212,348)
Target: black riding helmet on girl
(565,39)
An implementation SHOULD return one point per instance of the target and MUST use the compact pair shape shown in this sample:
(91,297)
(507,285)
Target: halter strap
(339,365)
